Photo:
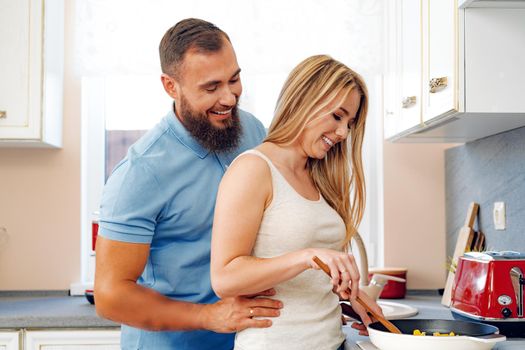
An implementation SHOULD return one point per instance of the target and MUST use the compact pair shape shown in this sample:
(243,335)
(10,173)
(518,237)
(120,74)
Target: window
(122,96)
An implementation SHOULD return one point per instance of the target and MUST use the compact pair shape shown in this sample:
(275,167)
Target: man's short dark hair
(188,34)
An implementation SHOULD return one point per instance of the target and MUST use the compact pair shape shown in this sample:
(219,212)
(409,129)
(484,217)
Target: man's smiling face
(206,92)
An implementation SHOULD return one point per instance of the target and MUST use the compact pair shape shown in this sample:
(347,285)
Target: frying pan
(472,335)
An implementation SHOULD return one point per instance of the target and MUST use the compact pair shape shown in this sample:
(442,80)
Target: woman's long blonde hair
(311,86)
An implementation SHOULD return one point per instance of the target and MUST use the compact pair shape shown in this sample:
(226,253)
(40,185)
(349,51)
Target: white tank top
(311,316)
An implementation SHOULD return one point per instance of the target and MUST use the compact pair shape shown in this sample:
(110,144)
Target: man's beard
(208,136)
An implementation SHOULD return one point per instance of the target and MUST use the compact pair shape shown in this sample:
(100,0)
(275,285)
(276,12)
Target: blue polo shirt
(163,194)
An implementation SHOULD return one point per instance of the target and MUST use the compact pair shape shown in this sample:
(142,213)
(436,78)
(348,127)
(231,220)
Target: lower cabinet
(78,339)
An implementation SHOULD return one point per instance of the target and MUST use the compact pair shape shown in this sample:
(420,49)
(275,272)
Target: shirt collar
(184,136)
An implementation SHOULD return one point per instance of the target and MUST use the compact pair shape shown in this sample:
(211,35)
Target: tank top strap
(278,181)
(260,155)
(281,185)
(276,174)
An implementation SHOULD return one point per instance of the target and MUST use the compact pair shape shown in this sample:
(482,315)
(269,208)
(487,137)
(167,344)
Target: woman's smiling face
(331,125)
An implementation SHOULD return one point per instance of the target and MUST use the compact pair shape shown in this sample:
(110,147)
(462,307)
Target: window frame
(92,166)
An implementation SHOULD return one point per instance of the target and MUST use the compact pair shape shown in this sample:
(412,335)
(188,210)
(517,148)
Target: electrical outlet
(499,215)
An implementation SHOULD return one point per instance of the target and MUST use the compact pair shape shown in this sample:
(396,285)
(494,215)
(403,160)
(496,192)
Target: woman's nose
(342,132)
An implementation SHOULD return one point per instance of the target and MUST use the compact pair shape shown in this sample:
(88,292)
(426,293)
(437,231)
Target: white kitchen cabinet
(500,47)
(72,340)
(439,58)
(9,340)
(390,78)
(403,77)
(31,71)
(471,71)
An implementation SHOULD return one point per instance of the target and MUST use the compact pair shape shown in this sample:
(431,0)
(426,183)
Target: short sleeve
(131,203)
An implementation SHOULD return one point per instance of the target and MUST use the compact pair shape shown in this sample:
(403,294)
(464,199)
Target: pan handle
(491,338)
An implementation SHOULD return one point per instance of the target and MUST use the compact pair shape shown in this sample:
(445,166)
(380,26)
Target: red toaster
(489,288)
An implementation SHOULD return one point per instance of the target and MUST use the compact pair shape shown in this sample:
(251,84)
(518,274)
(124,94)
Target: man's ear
(170,85)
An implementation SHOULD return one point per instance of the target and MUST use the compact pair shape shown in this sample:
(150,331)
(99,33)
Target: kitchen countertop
(53,309)
(58,310)
(429,306)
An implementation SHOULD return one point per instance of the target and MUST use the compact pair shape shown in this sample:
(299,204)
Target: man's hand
(361,328)
(235,314)
(365,318)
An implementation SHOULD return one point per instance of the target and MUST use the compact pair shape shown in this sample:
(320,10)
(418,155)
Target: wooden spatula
(389,325)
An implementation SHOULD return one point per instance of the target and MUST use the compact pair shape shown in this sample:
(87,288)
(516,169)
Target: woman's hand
(343,270)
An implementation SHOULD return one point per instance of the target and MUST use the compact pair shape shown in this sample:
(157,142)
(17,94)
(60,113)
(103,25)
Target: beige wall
(414,209)
(40,200)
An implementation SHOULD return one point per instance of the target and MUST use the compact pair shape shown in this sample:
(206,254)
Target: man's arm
(119,298)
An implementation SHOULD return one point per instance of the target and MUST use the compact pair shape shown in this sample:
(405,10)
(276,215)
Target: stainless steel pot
(471,335)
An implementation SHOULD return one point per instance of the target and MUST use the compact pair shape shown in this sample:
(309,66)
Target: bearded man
(153,251)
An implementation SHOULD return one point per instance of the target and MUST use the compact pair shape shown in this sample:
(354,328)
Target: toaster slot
(518,282)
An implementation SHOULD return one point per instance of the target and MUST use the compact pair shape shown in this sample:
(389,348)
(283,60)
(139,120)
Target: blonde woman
(300,194)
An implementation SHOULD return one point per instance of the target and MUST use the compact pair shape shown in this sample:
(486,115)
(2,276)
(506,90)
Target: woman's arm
(244,193)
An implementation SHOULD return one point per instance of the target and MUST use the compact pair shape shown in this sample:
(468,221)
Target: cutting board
(463,244)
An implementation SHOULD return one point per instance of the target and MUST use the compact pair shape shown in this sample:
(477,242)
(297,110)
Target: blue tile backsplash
(487,171)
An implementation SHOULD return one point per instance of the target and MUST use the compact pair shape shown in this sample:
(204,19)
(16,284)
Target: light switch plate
(499,216)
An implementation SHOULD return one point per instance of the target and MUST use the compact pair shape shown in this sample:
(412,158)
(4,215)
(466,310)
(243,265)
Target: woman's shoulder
(249,175)
(252,161)
(257,156)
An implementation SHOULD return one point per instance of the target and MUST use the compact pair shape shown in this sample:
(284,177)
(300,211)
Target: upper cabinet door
(440,30)
(494,60)
(411,68)
(391,77)
(18,104)
(31,71)
(402,87)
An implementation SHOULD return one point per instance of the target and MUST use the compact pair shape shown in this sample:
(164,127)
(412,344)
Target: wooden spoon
(389,325)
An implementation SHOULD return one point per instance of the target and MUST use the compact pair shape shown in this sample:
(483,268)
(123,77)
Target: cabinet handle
(3,114)
(408,101)
(437,84)
(389,113)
